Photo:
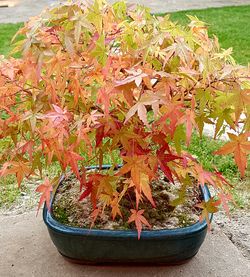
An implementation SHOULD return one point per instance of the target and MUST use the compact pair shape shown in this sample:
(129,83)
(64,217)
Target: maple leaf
(115,206)
(27,147)
(172,115)
(141,111)
(221,116)
(204,176)
(19,168)
(225,198)
(135,165)
(208,207)
(136,76)
(104,98)
(83,180)
(58,115)
(163,159)
(99,135)
(181,49)
(239,146)
(92,118)
(161,140)
(87,192)
(69,44)
(139,219)
(189,119)
(221,178)
(45,189)
(116,200)
(239,100)
(8,69)
(94,216)
(143,187)
(72,158)
(81,21)
(95,16)
(138,196)
(100,52)
(147,99)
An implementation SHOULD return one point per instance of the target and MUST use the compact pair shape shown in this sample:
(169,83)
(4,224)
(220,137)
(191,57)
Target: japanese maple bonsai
(97,81)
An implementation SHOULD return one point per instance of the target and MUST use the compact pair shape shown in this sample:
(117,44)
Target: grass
(9,191)
(231,25)
(7,31)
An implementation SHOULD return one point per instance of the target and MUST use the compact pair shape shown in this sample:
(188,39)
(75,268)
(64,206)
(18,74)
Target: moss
(60,214)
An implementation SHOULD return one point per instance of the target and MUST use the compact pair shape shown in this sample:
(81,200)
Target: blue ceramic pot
(96,246)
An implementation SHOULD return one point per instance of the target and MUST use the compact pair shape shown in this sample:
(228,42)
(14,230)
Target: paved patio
(23,9)
(26,250)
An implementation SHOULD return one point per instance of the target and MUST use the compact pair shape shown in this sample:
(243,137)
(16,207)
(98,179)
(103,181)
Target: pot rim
(190,230)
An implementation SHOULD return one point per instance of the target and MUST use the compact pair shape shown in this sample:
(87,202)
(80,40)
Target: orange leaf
(146,188)
(72,158)
(239,147)
(45,189)
(20,169)
(139,219)
(115,206)
(204,176)
(189,119)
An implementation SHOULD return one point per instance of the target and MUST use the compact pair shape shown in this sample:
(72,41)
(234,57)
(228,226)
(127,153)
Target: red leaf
(87,192)
(83,181)
(166,171)
(163,159)
(220,176)
(99,135)
(161,140)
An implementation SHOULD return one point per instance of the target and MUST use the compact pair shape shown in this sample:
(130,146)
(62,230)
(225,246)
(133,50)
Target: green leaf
(179,137)
(95,15)
(100,52)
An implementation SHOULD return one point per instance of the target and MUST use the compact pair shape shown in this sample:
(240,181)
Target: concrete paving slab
(22,10)
(26,250)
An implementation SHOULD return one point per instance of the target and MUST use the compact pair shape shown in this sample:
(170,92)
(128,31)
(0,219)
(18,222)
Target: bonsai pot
(96,246)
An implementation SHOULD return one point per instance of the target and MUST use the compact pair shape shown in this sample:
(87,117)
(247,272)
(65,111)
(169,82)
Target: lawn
(7,31)
(232,26)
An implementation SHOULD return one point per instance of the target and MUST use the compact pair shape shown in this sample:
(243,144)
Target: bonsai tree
(106,81)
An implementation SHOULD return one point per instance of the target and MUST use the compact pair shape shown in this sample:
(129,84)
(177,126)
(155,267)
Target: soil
(70,211)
